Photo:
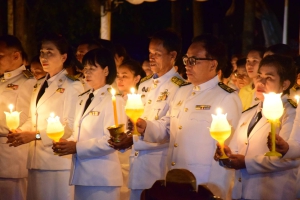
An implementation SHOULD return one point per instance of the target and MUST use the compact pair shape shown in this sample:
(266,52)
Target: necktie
(88,102)
(42,91)
(258,117)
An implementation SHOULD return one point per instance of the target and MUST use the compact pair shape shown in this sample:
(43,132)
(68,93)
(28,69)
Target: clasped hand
(234,161)
(64,147)
(19,137)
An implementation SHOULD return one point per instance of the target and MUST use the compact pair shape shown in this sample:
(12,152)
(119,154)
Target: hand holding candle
(55,130)
(220,130)
(134,108)
(12,118)
(273,110)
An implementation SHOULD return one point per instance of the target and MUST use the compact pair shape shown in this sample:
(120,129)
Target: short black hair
(133,66)
(104,58)
(259,49)
(285,66)
(215,49)
(13,42)
(92,43)
(282,49)
(241,63)
(64,48)
(170,39)
(35,59)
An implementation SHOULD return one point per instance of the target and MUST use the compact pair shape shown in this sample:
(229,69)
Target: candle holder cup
(116,131)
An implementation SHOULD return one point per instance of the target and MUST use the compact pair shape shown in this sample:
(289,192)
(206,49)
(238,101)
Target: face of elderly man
(201,70)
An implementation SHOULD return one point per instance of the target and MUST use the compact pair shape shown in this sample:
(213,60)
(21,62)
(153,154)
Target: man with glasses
(16,86)
(189,118)
(148,160)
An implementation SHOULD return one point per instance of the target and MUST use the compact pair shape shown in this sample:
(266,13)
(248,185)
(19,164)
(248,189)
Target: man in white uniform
(16,86)
(148,160)
(189,118)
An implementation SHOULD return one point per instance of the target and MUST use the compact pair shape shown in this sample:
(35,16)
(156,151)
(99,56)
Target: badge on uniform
(94,113)
(202,107)
(163,96)
(12,86)
(145,89)
(60,90)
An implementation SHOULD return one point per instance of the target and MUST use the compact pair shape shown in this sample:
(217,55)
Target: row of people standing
(174,127)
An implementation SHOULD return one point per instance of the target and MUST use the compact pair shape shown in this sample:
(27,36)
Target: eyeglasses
(241,76)
(192,60)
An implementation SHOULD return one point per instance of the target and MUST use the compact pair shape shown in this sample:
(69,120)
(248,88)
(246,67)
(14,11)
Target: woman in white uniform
(96,170)
(48,174)
(129,74)
(259,176)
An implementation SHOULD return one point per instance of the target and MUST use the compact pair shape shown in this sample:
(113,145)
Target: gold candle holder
(116,131)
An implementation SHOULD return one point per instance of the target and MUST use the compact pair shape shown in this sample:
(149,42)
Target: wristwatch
(37,136)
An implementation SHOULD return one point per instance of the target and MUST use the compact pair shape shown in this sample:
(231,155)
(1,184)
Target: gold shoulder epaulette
(293,103)
(27,74)
(226,87)
(71,77)
(84,92)
(250,108)
(146,78)
(179,81)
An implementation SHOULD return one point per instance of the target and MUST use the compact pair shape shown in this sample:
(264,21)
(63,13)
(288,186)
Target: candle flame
(297,97)
(52,114)
(219,111)
(132,90)
(11,107)
(113,91)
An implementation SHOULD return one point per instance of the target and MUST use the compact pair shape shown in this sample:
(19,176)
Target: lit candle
(220,129)
(12,118)
(113,93)
(272,110)
(55,130)
(297,97)
(134,108)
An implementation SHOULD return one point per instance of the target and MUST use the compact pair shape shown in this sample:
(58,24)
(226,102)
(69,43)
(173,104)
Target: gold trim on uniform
(163,96)
(146,78)
(293,103)
(226,87)
(202,107)
(94,113)
(60,90)
(71,77)
(12,86)
(179,103)
(27,74)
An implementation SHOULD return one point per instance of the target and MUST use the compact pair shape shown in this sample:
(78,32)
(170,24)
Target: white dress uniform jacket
(191,145)
(16,89)
(95,163)
(60,97)
(148,160)
(264,177)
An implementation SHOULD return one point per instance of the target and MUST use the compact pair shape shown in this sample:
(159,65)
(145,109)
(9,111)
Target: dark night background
(133,24)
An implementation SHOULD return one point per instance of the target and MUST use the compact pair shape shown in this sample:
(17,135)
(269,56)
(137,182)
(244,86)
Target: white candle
(55,130)
(272,106)
(12,118)
(113,92)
